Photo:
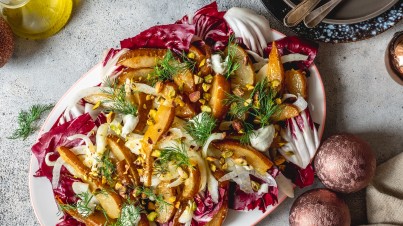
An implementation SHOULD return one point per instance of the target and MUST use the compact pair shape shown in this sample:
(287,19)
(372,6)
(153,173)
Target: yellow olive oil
(39,19)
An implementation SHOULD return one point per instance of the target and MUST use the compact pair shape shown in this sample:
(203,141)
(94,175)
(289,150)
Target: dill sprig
(107,168)
(81,206)
(128,216)
(117,101)
(232,61)
(201,127)
(150,194)
(170,66)
(176,154)
(26,120)
(260,104)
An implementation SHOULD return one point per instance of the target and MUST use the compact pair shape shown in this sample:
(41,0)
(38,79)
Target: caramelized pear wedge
(253,157)
(110,202)
(285,111)
(192,184)
(102,98)
(186,110)
(244,75)
(122,153)
(95,219)
(275,70)
(295,82)
(167,211)
(81,171)
(134,75)
(141,58)
(143,108)
(201,54)
(162,121)
(219,90)
(185,81)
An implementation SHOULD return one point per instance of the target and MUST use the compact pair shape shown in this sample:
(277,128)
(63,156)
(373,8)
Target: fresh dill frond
(260,104)
(201,127)
(232,60)
(26,120)
(117,101)
(150,194)
(248,131)
(129,215)
(107,168)
(170,66)
(82,206)
(176,154)
(264,104)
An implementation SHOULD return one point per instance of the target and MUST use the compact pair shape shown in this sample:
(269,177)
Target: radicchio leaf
(57,136)
(239,200)
(293,44)
(172,36)
(300,177)
(206,208)
(210,26)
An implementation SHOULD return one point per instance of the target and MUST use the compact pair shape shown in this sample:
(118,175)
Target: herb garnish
(117,101)
(176,154)
(82,205)
(129,215)
(169,66)
(107,167)
(149,193)
(27,118)
(261,105)
(201,127)
(232,60)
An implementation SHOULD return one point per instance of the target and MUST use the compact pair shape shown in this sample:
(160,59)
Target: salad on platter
(191,119)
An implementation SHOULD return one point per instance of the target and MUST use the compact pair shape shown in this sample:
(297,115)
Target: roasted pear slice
(185,81)
(285,111)
(110,202)
(219,91)
(219,217)
(186,110)
(253,157)
(95,219)
(103,98)
(192,183)
(134,75)
(81,171)
(244,75)
(167,210)
(295,82)
(275,72)
(161,123)
(121,152)
(144,106)
(141,58)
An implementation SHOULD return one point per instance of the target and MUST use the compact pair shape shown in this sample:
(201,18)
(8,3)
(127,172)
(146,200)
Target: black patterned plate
(335,32)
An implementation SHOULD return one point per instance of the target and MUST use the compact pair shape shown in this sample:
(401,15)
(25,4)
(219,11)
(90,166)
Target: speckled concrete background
(361,97)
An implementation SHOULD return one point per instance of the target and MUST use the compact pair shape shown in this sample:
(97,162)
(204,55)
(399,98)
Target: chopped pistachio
(206,108)
(202,101)
(211,159)
(255,185)
(213,167)
(156,153)
(172,199)
(278,101)
(275,83)
(197,79)
(249,86)
(227,154)
(202,62)
(206,87)
(208,78)
(96,105)
(207,96)
(191,55)
(151,216)
(240,161)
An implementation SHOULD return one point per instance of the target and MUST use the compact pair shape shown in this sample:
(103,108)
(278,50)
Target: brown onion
(345,163)
(319,207)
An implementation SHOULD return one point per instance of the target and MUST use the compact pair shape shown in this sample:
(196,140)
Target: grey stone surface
(361,97)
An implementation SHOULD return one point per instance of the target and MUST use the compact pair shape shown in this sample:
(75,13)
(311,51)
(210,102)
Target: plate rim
(355,20)
(95,67)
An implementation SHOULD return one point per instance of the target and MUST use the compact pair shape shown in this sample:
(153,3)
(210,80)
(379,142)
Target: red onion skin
(345,163)
(319,207)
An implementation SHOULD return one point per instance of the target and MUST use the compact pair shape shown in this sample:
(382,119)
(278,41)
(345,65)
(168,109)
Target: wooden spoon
(297,14)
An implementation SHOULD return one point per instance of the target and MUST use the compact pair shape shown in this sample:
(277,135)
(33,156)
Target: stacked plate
(349,21)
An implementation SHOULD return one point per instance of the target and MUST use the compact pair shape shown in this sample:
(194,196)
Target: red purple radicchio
(206,208)
(171,36)
(210,26)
